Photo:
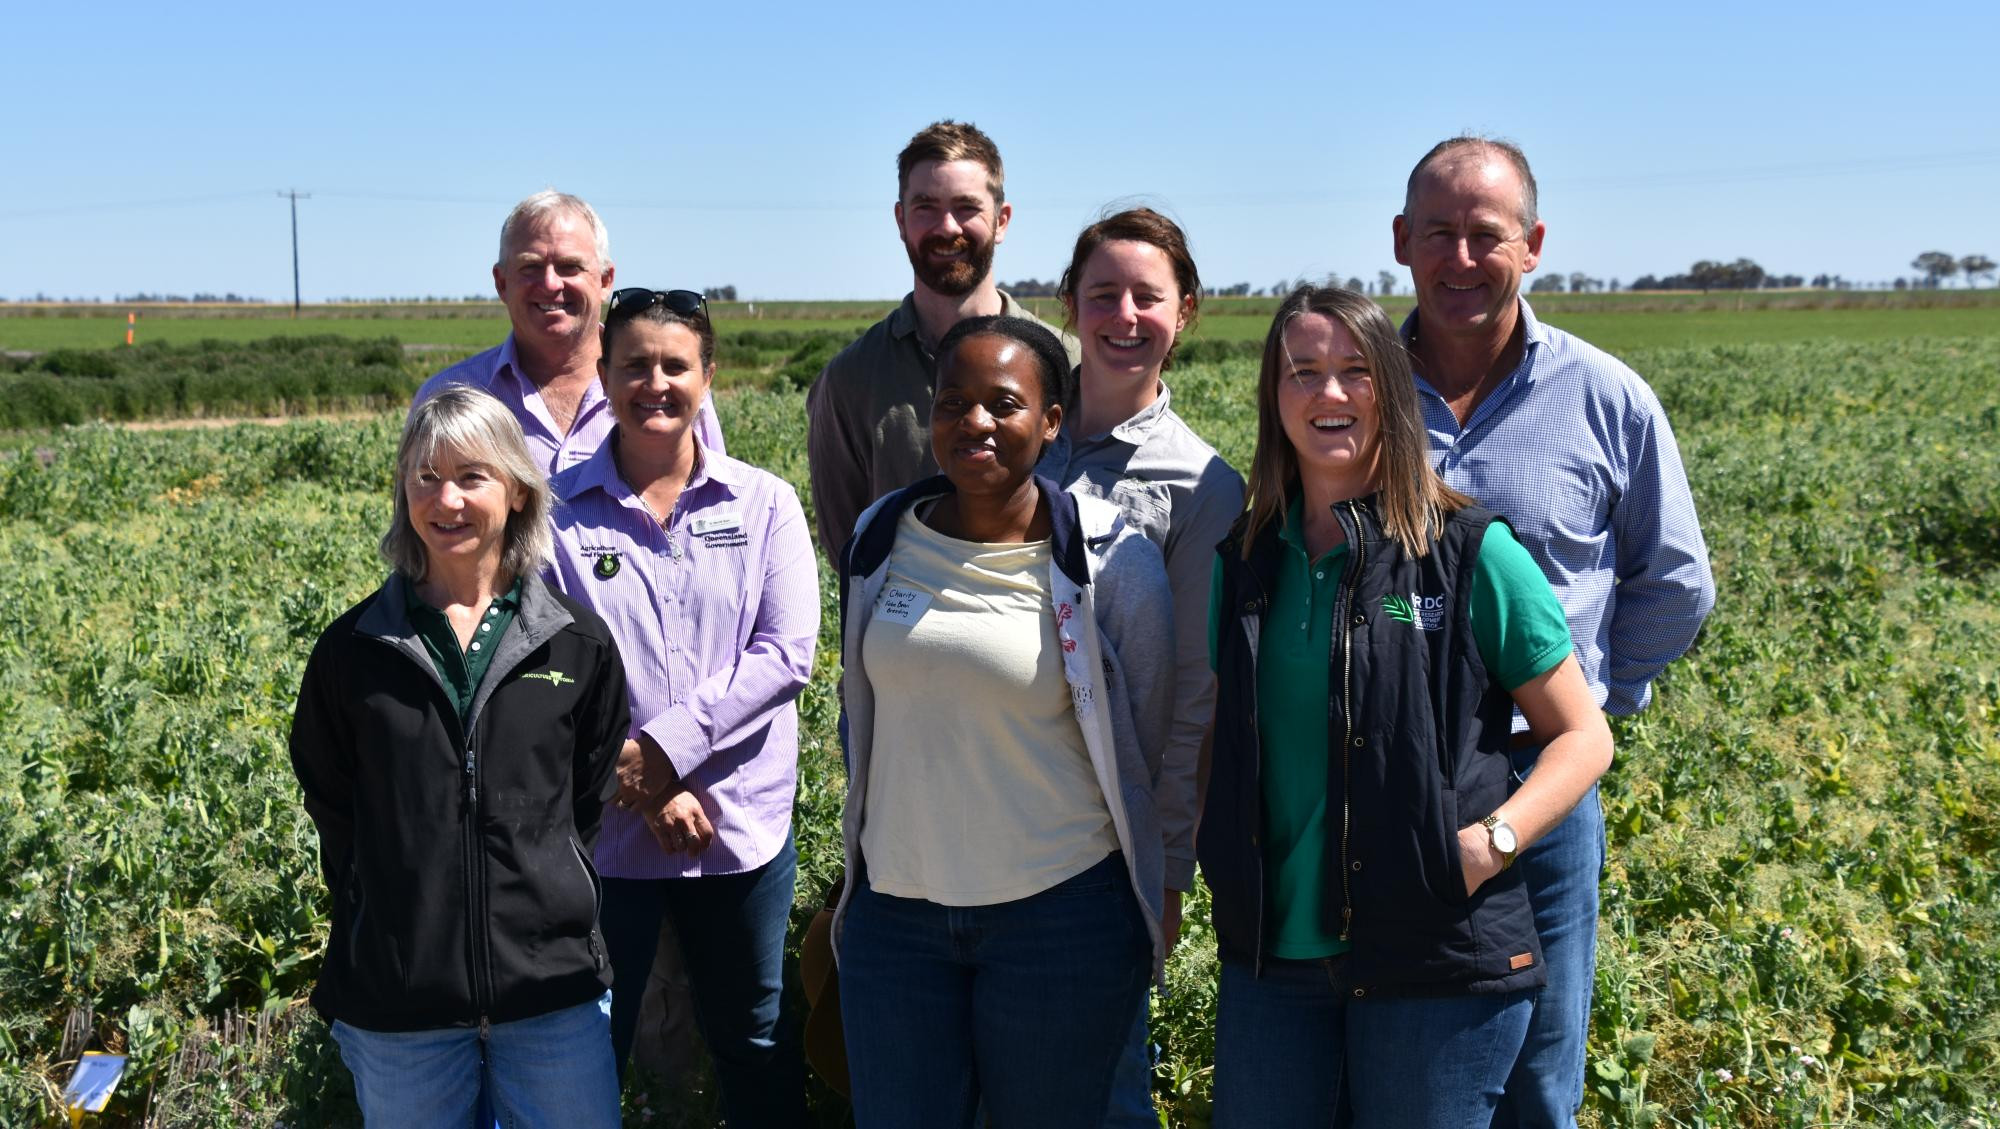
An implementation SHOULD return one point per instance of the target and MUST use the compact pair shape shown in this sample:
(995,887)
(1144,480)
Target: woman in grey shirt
(1128,293)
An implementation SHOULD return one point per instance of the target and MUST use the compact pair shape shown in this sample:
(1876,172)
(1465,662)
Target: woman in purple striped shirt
(703,568)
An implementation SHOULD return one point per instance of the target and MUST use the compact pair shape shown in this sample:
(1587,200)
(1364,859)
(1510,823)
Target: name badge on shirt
(902,605)
(715,523)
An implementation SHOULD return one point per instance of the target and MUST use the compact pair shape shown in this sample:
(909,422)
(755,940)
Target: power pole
(295,196)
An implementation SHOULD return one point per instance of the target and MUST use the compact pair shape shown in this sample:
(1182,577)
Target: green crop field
(1800,922)
(1619,322)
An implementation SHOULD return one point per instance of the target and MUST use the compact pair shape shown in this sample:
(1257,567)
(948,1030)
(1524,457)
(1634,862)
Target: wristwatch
(1502,835)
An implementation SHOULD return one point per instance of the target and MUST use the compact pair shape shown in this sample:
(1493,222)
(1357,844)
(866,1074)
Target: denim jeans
(551,1070)
(1562,870)
(1292,1051)
(1026,1004)
(1132,1083)
(732,934)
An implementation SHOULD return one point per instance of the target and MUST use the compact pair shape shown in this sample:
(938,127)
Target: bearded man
(868,414)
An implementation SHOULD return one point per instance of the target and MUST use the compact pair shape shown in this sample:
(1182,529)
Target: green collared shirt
(462,671)
(1517,625)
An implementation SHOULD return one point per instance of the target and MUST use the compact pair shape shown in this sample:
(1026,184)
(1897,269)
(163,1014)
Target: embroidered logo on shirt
(553,677)
(1425,613)
(607,566)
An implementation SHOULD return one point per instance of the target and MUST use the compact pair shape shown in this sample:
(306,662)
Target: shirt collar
(1533,336)
(600,472)
(1293,531)
(416,605)
(510,360)
(903,319)
(1135,429)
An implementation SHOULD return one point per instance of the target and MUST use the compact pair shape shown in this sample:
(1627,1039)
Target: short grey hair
(549,202)
(1445,151)
(472,423)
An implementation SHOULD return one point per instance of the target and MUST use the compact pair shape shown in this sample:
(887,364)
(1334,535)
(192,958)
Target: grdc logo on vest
(1425,613)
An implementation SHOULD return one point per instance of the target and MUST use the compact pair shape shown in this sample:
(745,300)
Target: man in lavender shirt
(553,275)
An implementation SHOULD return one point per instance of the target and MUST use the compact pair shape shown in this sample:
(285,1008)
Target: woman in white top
(1007,682)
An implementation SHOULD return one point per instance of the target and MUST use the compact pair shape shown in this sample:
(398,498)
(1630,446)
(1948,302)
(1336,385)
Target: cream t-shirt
(980,789)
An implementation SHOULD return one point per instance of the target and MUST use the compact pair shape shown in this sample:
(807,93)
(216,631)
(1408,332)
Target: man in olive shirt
(868,415)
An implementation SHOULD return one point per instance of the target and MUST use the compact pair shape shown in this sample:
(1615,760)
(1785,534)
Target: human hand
(1477,859)
(644,777)
(680,825)
(1170,919)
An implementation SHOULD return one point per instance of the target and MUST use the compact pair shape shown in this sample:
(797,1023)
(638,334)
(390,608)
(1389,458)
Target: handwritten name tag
(901,605)
(715,523)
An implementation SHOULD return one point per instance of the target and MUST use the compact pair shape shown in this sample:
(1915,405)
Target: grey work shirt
(868,419)
(1172,487)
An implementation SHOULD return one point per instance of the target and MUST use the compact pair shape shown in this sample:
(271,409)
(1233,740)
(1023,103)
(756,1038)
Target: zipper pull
(1346,921)
(485,1028)
(471,780)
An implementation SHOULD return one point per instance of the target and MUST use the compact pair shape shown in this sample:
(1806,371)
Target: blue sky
(754,144)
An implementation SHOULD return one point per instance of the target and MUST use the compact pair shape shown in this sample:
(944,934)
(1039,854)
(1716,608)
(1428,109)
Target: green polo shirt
(461,671)
(1517,624)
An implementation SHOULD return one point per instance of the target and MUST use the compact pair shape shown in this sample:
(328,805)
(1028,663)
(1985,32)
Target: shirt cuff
(1180,873)
(680,737)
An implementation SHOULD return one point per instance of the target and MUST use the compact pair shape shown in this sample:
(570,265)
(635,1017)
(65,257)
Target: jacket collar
(387,618)
(1070,528)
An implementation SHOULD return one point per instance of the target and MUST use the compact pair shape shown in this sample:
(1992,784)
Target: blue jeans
(1132,1084)
(1561,871)
(1292,1051)
(732,934)
(552,1070)
(1025,1005)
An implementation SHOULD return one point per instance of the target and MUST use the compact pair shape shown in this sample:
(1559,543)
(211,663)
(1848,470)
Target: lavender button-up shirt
(715,616)
(498,370)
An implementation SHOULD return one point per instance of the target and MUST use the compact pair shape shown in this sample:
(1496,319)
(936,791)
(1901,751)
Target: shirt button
(485,627)
(475,644)
(1320,575)
(494,610)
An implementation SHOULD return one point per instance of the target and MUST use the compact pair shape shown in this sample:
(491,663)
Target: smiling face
(988,420)
(459,503)
(654,380)
(1326,405)
(1465,245)
(551,282)
(1128,310)
(950,225)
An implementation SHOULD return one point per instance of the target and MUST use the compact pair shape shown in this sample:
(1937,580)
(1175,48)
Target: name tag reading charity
(715,523)
(902,605)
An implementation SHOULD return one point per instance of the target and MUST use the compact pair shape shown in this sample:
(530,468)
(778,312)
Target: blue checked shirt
(1574,450)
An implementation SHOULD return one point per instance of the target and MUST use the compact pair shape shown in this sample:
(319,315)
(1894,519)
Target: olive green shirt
(1517,624)
(461,671)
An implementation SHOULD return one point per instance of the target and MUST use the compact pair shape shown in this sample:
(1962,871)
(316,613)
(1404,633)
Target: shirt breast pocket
(1145,505)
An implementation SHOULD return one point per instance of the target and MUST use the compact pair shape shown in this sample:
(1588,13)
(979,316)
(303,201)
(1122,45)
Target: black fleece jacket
(458,856)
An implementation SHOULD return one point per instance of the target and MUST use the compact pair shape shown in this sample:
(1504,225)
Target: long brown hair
(1411,499)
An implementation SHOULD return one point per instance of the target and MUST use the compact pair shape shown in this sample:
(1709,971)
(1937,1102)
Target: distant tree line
(1385,285)
(1937,266)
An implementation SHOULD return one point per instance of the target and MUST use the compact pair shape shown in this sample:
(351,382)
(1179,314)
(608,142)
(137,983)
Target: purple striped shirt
(715,616)
(498,371)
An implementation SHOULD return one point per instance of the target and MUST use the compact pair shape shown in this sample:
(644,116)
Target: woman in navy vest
(1374,633)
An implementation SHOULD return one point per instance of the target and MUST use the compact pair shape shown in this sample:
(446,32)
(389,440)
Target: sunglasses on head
(634,300)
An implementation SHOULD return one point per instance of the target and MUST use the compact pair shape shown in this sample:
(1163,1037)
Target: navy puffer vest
(1417,742)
